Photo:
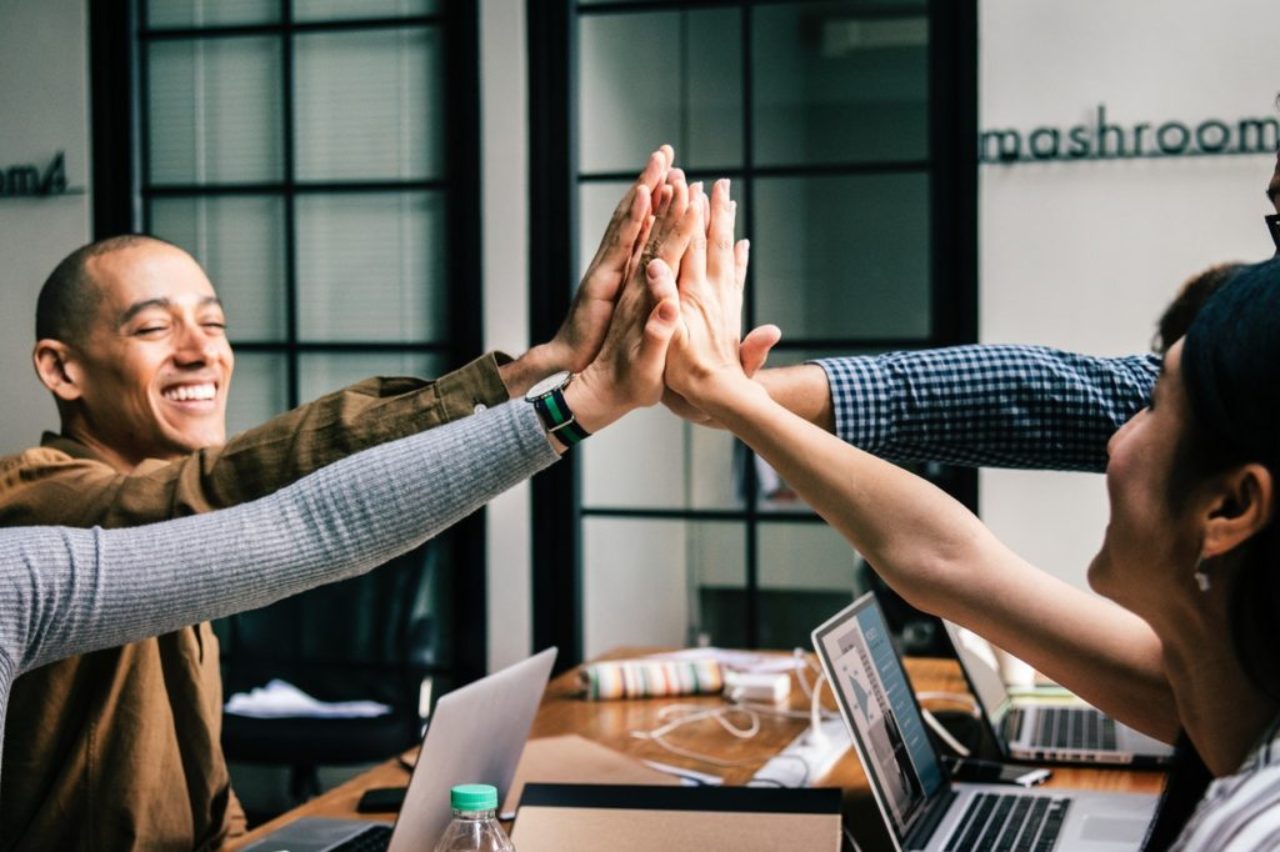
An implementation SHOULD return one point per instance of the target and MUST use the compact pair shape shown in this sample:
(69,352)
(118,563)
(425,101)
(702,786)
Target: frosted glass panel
(208,13)
(807,574)
(259,390)
(327,10)
(806,556)
(832,86)
(369,105)
(371,267)
(644,581)
(842,257)
(320,373)
(689,94)
(214,110)
(652,459)
(595,207)
(240,243)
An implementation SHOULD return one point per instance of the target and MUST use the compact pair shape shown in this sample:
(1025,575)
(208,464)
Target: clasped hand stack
(668,280)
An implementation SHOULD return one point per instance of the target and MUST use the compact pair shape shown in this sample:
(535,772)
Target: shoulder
(1239,813)
(29,480)
(36,462)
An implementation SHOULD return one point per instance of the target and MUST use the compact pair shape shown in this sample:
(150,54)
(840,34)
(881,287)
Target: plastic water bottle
(475,826)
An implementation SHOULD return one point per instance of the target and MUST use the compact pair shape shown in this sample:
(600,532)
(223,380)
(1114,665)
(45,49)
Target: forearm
(941,558)
(532,367)
(989,405)
(803,390)
(121,585)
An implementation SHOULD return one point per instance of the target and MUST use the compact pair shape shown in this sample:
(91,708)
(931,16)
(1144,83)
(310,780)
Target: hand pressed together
(674,330)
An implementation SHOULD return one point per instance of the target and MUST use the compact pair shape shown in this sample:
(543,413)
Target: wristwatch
(547,397)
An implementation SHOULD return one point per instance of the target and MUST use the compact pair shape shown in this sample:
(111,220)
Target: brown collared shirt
(119,749)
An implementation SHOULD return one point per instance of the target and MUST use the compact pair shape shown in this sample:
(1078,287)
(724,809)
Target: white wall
(1085,255)
(44,102)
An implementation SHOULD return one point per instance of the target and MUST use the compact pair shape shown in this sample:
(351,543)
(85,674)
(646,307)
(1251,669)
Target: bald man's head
(70,297)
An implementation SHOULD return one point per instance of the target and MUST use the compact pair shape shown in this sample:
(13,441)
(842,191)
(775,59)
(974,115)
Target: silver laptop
(476,736)
(1057,731)
(922,808)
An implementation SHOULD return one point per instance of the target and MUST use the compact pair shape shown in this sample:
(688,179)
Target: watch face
(547,385)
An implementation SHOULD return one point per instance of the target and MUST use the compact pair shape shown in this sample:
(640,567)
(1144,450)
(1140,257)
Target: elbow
(931,574)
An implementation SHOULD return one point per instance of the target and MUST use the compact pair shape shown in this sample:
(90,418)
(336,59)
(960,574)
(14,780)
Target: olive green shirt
(119,749)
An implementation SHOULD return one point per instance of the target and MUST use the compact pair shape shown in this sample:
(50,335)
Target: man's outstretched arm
(982,405)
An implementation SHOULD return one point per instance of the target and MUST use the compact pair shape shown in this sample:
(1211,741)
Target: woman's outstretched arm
(926,545)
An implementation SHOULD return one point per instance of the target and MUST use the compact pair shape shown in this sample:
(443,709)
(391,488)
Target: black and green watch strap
(558,419)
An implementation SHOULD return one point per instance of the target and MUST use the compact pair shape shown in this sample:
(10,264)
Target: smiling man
(132,342)
(119,749)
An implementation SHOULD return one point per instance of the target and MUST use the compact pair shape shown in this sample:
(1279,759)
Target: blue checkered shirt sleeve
(990,405)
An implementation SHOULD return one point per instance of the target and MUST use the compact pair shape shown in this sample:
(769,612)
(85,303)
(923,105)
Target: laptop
(922,808)
(1063,730)
(476,736)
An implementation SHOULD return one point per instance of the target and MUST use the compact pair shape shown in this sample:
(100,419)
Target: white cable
(802,655)
(686,714)
(967,701)
(816,734)
(944,734)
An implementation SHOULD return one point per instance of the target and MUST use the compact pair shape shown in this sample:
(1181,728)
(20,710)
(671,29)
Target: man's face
(155,363)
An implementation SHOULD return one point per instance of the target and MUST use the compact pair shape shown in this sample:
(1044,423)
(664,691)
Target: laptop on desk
(1059,730)
(921,807)
(476,735)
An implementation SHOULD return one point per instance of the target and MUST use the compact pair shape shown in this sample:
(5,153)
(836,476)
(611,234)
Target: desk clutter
(588,778)
(651,678)
(695,671)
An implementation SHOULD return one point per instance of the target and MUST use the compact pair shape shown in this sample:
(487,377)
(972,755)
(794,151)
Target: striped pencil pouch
(641,678)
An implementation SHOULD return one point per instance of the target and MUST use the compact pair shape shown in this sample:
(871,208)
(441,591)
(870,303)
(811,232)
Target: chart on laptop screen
(878,696)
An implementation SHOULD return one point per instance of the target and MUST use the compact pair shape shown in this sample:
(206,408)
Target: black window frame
(952,164)
(122,190)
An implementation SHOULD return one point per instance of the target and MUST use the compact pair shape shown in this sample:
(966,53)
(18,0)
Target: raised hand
(755,346)
(628,370)
(707,344)
(584,329)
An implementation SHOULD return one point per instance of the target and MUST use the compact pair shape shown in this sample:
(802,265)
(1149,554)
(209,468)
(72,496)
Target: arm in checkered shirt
(987,405)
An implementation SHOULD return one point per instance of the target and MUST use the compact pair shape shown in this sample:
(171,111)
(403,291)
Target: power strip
(807,759)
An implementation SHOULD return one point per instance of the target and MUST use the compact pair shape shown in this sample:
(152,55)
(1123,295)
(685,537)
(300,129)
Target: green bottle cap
(474,797)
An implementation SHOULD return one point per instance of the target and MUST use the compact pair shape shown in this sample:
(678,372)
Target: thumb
(650,360)
(661,281)
(755,347)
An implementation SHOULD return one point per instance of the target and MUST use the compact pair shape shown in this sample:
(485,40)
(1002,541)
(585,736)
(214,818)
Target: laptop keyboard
(376,839)
(1001,823)
(1075,728)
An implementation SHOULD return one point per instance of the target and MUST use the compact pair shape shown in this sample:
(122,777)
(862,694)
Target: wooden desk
(611,723)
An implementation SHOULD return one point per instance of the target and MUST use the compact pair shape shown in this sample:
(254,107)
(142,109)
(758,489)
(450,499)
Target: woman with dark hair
(1185,645)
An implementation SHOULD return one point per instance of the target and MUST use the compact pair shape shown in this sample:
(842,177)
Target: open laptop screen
(978,662)
(876,699)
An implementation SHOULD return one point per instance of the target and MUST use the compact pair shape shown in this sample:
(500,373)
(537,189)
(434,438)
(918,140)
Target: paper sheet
(280,699)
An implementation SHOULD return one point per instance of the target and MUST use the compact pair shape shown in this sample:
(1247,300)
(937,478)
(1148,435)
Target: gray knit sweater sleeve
(69,591)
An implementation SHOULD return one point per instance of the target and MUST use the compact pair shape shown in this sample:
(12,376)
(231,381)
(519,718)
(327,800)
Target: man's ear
(1240,506)
(56,366)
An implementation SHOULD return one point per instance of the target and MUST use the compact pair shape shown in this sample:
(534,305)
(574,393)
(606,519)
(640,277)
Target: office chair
(374,637)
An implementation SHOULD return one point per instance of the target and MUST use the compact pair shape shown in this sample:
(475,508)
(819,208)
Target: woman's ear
(1241,504)
(56,367)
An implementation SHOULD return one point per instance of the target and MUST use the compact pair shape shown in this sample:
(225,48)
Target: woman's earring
(1202,576)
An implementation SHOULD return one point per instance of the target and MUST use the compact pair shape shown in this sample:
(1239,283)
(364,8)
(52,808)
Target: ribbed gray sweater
(70,591)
